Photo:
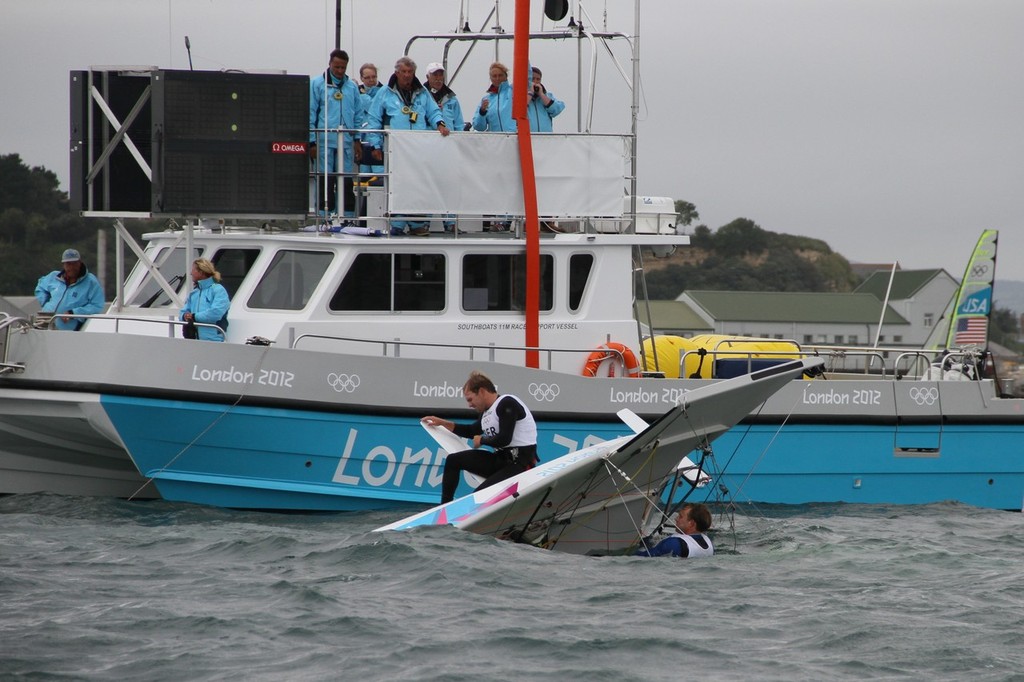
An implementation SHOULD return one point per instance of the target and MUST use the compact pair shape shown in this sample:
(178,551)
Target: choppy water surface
(107,589)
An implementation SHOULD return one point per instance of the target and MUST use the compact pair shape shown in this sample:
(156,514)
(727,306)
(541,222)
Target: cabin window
(580,266)
(290,280)
(392,282)
(233,265)
(495,282)
(171,264)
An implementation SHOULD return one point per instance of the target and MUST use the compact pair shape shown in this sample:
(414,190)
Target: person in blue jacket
(495,111)
(445,97)
(69,291)
(451,110)
(404,105)
(334,102)
(691,523)
(543,105)
(368,88)
(208,302)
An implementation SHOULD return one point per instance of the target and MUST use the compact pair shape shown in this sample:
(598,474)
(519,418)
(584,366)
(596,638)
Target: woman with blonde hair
(207,303)
(495,110)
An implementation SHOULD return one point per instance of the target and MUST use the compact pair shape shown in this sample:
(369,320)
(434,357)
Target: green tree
(686,212)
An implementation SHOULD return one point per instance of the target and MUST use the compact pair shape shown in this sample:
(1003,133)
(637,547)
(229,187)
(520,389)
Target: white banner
(478,174)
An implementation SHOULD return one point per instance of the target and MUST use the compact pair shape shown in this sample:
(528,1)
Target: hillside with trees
(37,224)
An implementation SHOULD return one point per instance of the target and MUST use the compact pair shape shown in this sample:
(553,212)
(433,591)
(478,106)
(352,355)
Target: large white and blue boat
(340,340)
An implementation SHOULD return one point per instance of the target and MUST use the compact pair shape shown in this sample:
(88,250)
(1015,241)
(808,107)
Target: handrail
(131,318)
(471,348)
(9,323)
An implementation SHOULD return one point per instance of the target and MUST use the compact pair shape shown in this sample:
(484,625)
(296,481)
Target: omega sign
(288,147)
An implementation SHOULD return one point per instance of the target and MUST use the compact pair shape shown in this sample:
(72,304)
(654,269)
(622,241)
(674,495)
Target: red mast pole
(521,80)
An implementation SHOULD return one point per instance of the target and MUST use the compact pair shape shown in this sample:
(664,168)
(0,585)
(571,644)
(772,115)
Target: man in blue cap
(71,291)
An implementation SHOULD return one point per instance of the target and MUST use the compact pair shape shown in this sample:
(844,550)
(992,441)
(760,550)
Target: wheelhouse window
(290,280)
(580,266)
(172,266)
(233,265)
(404,282)
(497,282)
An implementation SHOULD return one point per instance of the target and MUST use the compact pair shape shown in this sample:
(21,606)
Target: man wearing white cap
(71,291)
(446,100)
(451,111)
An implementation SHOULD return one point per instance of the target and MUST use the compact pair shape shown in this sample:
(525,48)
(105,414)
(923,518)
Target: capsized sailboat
(597,500)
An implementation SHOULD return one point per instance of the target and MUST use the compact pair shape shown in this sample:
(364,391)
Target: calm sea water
(107,589)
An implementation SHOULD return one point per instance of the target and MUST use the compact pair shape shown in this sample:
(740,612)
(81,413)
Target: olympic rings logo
(979,270)
(924,396)
(343,383)
(544,392)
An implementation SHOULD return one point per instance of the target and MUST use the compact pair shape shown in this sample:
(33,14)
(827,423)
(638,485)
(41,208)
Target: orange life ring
(612,350)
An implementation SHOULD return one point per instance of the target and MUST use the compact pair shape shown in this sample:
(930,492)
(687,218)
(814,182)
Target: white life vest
(695,549)
(525,431)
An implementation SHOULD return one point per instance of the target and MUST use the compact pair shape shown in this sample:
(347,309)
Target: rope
(202,433)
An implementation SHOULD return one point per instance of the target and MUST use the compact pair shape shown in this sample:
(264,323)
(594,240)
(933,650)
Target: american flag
(971,330)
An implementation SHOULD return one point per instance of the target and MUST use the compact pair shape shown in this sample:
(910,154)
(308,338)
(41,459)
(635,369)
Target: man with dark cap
(71,291)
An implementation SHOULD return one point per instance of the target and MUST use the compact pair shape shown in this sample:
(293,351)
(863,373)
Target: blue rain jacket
(84,297)
(540,115)
(499,112)
(451,110)
(387,106)
(209,303)
(366,96)
(498,118)
(342,108)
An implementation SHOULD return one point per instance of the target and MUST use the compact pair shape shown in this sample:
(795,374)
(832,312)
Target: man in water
(504,424)
(689,540)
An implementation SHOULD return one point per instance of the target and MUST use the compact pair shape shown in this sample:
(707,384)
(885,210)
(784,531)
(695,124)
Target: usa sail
(972,305)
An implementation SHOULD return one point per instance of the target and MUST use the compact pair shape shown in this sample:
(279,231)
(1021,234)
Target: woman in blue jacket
(495,111)
(208,302)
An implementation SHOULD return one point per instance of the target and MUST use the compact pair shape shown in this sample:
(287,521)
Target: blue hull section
(979,464)
(262,458)
(258,458)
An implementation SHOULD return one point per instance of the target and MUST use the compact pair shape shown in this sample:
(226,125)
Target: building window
(838,339)
(852,339)
(929,319)
(897,339)
(808,338)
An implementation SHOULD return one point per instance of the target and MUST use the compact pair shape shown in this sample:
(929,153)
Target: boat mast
(522,78)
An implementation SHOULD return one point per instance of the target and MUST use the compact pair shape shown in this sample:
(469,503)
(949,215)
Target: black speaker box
(217,143)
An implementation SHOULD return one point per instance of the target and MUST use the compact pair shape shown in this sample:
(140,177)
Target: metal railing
(471,349)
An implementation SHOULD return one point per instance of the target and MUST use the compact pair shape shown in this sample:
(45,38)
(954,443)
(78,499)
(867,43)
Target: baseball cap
(70,255)
(434,66)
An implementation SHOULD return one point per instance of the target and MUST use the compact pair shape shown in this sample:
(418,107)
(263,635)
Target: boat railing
(172,323)
(393,348)
(8,325)
(852,361)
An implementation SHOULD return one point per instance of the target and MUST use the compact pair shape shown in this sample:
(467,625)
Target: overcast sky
(891,129)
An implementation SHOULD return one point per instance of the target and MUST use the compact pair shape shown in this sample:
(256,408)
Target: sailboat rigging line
(183,450)
(764,450)
(519,537)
